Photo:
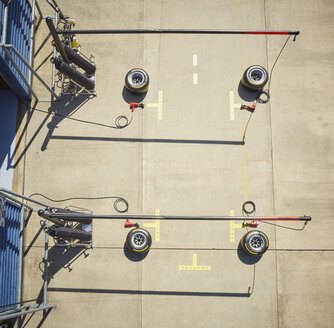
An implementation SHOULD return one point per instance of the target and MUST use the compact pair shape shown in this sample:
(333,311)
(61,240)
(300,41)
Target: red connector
(249,108)
(129,224)
(134,105)
(252,224)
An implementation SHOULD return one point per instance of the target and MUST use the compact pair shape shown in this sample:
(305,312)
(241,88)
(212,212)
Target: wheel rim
(257,75)
(137,78)
(138,240)
(257,243)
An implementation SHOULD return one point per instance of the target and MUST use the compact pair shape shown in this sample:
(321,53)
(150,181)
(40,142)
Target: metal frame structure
(7,47)
(25,307)
(75,226)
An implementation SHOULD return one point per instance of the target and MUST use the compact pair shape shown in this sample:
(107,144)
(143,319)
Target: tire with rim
(255,243)
(138,240)
(254,78)
(137,81)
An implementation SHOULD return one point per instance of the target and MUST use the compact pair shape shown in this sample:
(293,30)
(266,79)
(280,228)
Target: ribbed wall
(9,257)
(19,24)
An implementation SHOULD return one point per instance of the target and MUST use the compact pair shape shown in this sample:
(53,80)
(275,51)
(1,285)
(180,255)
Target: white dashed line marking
(195,78)
(195,60)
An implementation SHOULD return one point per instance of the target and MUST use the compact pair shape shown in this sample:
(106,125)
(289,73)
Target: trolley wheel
(254,78)
(255,243)
(137,81)
(138,240)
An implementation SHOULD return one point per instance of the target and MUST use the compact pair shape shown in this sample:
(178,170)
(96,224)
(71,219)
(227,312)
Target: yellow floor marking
(233,226)
(232,106)
(244,152)
(241,52)
(151,105)
(155,225)
(158,104)
(194,266)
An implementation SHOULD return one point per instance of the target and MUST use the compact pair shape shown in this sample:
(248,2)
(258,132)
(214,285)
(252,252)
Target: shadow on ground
(147,292)
(245,258)
(58,258)
(131,97)
(58,110)
(245,94)
(132,256)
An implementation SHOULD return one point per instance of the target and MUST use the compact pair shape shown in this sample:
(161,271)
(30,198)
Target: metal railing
(24,307)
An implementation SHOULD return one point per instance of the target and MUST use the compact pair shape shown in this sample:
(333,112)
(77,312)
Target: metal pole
(30,68)
(61,15)
(177,31)
(73,216)
(56,39)
(16,201)
(20,307)
(5,191)
(46,253)
(19,289)
(31,36)
(18,314)
(53,80)
(19,71)
(4,24)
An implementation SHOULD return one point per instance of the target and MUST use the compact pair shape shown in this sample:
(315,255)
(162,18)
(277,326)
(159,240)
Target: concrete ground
(182,154)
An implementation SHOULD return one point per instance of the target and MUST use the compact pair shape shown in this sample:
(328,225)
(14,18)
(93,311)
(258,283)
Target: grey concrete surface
(186,158)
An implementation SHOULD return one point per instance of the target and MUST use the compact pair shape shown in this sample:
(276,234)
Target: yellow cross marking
(155,225)
(195,266)
(158,104)
(233,226)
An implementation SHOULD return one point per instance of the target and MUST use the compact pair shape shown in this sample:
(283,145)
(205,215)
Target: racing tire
(254,78)
(137,81)
(138,241)
(255,243)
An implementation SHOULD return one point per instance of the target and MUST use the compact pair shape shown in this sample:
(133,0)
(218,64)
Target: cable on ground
(117,201)
(285,227)
(259,97)
(121,121)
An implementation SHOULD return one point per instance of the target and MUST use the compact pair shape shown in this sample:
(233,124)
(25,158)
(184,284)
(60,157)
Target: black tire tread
(246,83)
(148,244)
(145,85)
(245,245)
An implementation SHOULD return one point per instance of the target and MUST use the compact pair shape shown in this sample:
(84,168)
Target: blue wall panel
(19,25)
(9,257)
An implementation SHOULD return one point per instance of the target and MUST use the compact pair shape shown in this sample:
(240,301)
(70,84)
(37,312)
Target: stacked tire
(137,81)
(254,78)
